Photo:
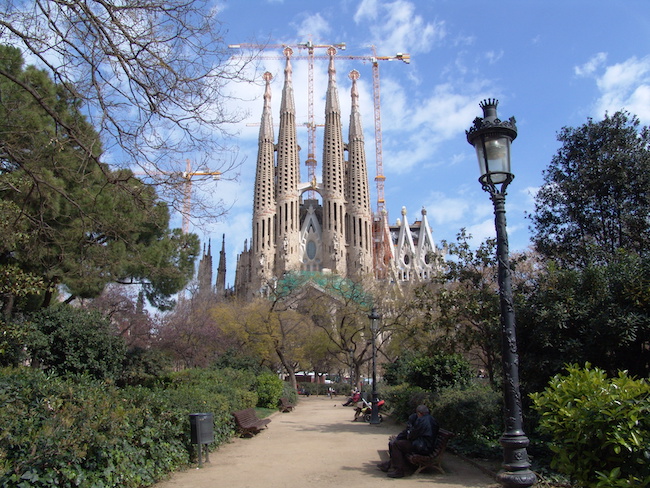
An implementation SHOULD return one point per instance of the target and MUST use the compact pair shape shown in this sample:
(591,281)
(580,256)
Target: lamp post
(374,412)
(491,138)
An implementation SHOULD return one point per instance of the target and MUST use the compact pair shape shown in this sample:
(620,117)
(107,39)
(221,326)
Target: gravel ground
(318,445)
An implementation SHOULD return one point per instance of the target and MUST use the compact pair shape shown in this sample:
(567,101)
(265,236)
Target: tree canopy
(152,77)
(66,220)
(596,193)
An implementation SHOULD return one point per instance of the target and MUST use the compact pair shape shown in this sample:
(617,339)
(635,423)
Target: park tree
(124,307)
(152,77)
(599,314)
(269,328)
(190,334)
(339,309)
(458,311)
(75,222)
(595,198)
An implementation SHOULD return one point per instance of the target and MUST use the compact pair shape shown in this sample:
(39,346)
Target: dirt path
(317,445)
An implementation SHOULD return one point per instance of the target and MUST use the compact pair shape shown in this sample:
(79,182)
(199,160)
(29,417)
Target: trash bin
(201,428)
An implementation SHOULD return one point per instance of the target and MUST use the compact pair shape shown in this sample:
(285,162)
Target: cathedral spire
(287,222)
(266,127)
(264,201)
(221,270)
(332,101)
(334,210)
(359,221)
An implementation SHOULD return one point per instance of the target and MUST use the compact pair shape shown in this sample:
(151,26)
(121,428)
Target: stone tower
(330,231)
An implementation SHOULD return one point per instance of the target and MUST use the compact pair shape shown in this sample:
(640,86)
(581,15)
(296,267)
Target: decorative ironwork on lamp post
(374,327)
(491,137)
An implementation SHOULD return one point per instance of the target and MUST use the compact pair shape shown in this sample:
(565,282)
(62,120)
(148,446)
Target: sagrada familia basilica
(324,226)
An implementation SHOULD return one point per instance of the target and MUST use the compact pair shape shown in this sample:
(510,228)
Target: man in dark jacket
(419,437)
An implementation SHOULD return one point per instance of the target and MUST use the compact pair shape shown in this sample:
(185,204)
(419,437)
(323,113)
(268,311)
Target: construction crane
(374,59)
(311,123)
(382,251)
(382,246)
(187,176)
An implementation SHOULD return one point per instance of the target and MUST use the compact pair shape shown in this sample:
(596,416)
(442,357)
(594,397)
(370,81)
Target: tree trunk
(288,368)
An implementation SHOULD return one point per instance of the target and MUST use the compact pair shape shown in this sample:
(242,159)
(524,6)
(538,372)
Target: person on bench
(418,437)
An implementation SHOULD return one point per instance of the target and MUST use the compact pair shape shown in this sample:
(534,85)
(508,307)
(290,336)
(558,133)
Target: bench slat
(433,460)
(248,422)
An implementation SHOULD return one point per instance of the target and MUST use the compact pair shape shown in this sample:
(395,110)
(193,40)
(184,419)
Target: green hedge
(599,426)
(86,432)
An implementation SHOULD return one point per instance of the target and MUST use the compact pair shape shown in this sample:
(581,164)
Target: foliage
(81,224)
(144,366)
(13,336)
(150,75)
(269,388)
(594,200)
(474,414)
(190,335)
(600,426)
(432,372)
(233,359)
(69,341)
(68,433)
(402,400)
(599,314)
(289,392)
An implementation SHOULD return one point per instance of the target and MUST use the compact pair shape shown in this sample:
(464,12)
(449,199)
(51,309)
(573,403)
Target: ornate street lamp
(374,327)
(491,138)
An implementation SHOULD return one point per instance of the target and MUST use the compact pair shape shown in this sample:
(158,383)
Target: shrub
(144,366)
(474,414)
(289,392)
(599,426)
(269,389)
(402,400)
(430,372)
(79,431)
(69,433)
(70,341)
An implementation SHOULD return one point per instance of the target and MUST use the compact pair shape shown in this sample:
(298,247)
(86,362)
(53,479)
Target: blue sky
(549,63)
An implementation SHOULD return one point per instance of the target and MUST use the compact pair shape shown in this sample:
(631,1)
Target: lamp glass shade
(493,154)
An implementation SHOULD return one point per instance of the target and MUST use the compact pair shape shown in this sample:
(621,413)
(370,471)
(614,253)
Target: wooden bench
(286,405)
(248,422)
(433,460)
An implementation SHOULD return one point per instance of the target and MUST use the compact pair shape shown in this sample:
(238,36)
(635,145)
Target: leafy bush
(402,400)
(70,341)
(79,431)
(269,389)
(599,426)
(144,366)
(69,433)
(430,372)
(289,392)
(474,414)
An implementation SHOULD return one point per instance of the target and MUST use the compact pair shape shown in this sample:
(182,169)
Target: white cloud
(481,231)
(494,56)
(591,66)
(367,10)
(626,86)
(395,26)
(623,86)
(314,27)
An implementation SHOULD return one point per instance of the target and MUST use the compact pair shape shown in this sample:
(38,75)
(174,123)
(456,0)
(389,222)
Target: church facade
(327,226)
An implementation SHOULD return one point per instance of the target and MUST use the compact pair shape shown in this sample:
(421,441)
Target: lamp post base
(516,479)
(516,471)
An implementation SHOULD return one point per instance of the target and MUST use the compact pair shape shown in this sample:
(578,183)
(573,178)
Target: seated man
(419,437)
